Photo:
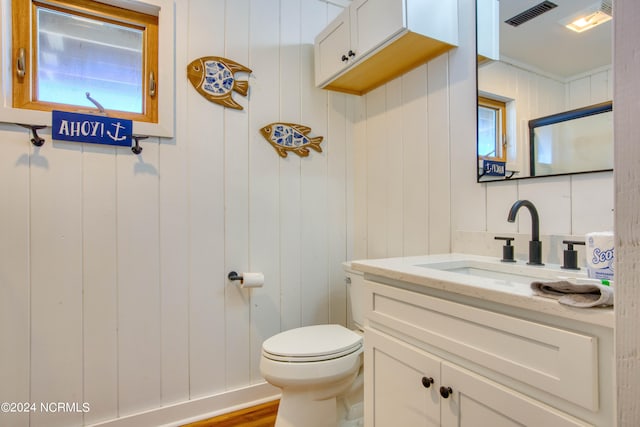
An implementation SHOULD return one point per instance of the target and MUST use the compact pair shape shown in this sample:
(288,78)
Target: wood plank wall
(401,161)
(627,182)
(415,178)
(113,266)
(565,203)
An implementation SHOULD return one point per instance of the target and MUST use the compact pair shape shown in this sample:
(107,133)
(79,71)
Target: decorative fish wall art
(286,137)
(214,78)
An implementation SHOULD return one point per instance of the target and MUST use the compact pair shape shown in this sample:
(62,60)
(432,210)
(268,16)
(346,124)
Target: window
(492,119)
(66,49)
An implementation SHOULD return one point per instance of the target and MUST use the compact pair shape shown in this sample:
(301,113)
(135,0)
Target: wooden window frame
(501,108)
(25,36)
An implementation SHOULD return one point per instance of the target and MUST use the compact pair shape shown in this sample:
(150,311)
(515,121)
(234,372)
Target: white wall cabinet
(430,361)
(374,41)
(488,22)
(333,49)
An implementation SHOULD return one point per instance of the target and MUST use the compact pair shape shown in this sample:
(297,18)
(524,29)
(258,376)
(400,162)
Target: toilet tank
(355,295)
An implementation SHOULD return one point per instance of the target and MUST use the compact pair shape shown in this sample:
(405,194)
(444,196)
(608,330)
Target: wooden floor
(257,416)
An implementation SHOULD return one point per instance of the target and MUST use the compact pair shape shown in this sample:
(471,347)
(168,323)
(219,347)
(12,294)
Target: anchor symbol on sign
(116,137)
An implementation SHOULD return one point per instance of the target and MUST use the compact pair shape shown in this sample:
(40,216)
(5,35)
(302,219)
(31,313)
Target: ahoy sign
(494,168)
(91,128)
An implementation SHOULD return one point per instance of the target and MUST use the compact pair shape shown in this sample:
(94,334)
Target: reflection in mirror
(535,67)
(573,142)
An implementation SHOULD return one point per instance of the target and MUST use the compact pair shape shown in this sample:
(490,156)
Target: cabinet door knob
(427,381)
(344,58)
(445,391)
(351,53)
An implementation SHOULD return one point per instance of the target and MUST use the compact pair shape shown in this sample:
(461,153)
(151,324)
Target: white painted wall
(401,163)
(405,153)
(415,182)
(113,266)
(569,206)
(530,94)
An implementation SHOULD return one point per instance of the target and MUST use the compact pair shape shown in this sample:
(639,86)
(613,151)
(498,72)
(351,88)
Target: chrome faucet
(535,245)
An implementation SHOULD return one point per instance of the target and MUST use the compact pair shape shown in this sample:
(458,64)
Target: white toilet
(319,369)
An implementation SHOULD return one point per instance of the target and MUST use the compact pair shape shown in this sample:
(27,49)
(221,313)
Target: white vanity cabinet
(401,383)
(374,41)
(404,385)
(476,400)
(434,361)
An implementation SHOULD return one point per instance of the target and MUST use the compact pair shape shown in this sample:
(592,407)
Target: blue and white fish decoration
(286,137)
(214,78)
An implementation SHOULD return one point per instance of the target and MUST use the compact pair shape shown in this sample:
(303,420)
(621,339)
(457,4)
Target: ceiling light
(590,17)
(588,22)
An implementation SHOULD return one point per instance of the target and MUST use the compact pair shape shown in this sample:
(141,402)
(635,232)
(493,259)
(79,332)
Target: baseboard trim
(198,409)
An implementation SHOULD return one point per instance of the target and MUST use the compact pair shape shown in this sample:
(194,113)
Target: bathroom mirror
(533,68)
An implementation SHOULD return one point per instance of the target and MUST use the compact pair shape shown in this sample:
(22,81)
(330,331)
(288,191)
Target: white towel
(576,295)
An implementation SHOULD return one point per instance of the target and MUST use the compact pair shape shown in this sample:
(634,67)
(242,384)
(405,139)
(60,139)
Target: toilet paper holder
(234,276)
(247,280)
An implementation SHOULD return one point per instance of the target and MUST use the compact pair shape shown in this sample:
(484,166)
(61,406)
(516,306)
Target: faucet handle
(570,243)
(507,249)
(571,255)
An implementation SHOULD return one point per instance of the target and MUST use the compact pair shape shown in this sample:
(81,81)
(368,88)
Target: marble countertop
(419,270)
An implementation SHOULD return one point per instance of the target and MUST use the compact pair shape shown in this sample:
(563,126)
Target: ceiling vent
(607,7)
(531,13)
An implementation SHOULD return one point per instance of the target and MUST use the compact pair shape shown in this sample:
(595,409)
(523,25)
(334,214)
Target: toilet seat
(312,344)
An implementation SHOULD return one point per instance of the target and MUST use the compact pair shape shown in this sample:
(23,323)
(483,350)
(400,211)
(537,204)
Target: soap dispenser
(571,255)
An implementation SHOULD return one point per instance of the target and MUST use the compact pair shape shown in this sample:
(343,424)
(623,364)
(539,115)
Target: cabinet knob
(351,53)
(445,391)
(427,381)
(344,58)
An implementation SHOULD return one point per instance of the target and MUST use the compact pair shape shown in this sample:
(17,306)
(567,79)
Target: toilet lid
(312,343)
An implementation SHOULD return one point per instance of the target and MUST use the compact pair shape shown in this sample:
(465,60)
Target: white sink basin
(509,274)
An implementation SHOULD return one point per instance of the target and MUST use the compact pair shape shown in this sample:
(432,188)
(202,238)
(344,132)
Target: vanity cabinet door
(401,384)
(476,401)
